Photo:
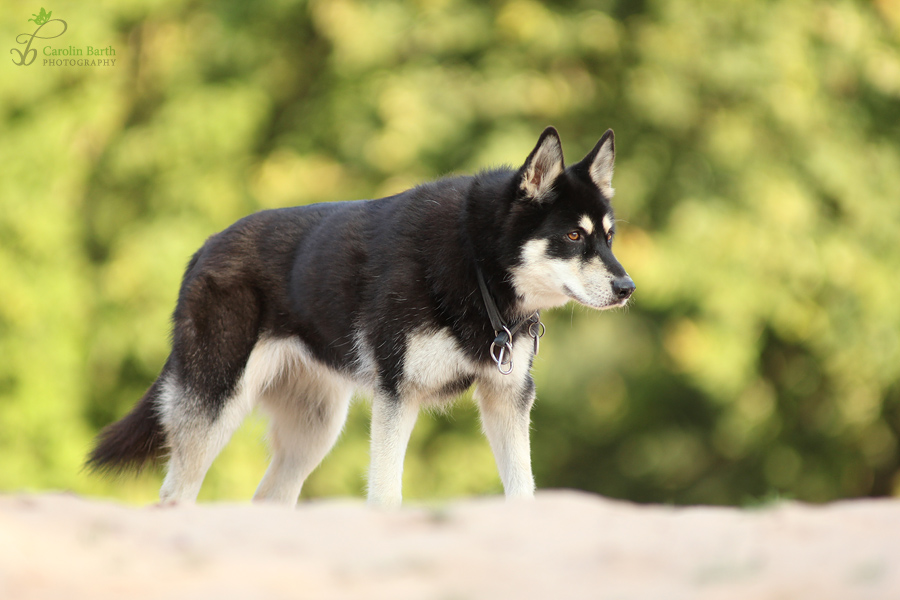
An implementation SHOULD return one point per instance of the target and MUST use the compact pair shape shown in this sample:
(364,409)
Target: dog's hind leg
(214,378)
(308,408)
(195,438)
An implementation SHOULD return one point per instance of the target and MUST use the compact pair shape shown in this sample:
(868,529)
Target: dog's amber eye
(609,239)
(574,235)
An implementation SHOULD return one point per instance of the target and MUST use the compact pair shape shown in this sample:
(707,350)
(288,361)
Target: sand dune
(563,545)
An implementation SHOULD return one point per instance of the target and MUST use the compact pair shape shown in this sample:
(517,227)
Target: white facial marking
(542,281)
(588,225)
(607,224)
(534,281)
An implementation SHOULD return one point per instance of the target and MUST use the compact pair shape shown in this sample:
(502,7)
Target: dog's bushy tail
(132,442)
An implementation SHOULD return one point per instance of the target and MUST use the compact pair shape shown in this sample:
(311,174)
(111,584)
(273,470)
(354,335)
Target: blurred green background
(758,179)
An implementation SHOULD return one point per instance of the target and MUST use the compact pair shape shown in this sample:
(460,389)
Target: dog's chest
(434,361)
(435,365)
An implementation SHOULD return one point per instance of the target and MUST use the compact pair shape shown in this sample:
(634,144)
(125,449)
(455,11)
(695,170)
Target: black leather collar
(504,332)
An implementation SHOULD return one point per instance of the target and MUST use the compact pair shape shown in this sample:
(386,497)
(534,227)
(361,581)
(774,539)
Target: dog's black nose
(623,287)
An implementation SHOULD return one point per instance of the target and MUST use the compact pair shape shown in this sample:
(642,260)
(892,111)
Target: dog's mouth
(616,303)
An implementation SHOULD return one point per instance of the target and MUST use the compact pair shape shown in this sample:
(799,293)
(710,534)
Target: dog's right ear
(543,166)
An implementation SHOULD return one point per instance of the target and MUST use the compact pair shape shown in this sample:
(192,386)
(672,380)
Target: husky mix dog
(415,297)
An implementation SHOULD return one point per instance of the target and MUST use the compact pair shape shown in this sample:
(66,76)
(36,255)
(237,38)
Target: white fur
(607,224)
(393,420)
(505,418)
(589,283)
(307,400)
(537,289)
(308,406)
(506,424)
(433,359)
(545,282)
(366,372)
(586,224)
(194,441)
(602,168)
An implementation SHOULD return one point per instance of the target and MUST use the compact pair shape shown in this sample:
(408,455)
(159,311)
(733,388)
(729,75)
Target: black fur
(132,442)
(386,267)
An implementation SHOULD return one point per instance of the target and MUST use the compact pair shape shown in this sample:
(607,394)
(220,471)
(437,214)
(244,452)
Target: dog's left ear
(600,161)
(543,165)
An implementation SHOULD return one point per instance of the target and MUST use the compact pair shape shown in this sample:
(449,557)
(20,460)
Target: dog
(414,297)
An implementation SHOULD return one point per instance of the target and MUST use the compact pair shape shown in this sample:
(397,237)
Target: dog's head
(567,228)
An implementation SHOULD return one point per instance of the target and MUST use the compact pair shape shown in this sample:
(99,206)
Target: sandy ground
(563,545)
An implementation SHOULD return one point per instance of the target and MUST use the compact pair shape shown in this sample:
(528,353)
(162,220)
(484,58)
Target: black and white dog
(414,297)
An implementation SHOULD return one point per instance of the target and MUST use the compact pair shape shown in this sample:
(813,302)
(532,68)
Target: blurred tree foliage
(758,175)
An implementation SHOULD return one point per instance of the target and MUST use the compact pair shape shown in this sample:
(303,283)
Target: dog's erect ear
(543,165)
(599,163)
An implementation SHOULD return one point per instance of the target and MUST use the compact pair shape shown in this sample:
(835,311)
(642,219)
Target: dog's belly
(435,368)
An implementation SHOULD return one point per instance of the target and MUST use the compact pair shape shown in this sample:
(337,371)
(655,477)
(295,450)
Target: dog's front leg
(506,418)
(393,419)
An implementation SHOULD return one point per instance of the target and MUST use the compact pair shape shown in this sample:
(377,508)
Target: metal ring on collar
(536,331)
(540,329)
(504,353)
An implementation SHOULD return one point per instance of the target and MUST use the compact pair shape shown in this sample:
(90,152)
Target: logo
(48,29)
(41,20)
